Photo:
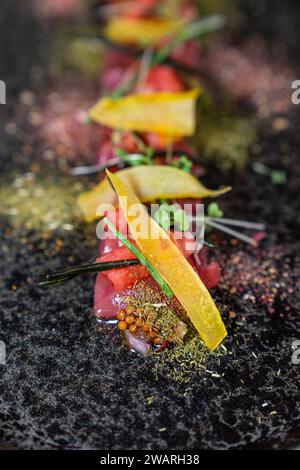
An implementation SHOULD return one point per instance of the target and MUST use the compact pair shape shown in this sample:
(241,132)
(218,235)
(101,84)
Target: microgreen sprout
(277,176)
(213,210)
(172,215)
(183,163)
(136,159)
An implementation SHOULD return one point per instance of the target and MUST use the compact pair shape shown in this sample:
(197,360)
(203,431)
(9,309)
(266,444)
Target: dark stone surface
(68,384)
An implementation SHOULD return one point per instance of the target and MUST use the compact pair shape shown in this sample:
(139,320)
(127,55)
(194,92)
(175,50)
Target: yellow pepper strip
(163,112)
(170,263)
(144,31)
(149,183)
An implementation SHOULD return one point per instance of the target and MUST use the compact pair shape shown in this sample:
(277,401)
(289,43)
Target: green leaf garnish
(278,177)
(172,215)
(135,159)
(163,217)
(213,210)
(183,164)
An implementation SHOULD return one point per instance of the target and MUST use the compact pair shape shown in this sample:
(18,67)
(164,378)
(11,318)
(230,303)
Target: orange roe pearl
(139,311)
(122,325)
(146,327)
(129,309)
(153,334)
(130,319)
(156,341)
(133,328)
(139,323)
(121,315)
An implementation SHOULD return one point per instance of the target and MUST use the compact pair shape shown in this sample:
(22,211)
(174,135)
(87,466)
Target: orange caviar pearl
(156,341)
(121,315)
(139,311)
(139,322)
(146,327)
(153,334)
(129,309)
(122,325)
(129,319)
(133,328)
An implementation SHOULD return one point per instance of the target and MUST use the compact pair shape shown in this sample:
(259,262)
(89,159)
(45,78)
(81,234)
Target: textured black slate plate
(68,385)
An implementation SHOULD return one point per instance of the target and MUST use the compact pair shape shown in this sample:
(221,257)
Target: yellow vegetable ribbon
(169,113)
(144,31)
(149,183)
(163,254)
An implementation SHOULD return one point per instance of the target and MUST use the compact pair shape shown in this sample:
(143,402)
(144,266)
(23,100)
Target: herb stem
(239,223)
(192,30)
(232,232)
(152,271)
(91,169)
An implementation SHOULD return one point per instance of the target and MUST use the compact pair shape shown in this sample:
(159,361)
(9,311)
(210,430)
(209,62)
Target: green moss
(187,354)
(181,362)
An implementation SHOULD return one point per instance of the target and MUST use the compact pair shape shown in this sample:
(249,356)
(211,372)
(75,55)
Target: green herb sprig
(183,164)
(192,30)
(171,215)
(213,210)
(136,159)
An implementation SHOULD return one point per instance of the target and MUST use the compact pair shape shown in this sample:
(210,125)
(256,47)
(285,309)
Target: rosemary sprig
(152,271)
(59,277)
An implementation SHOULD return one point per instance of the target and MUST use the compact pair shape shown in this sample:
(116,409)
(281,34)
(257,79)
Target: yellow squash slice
(149,183)
(172,114)
(163,254)
(144,31)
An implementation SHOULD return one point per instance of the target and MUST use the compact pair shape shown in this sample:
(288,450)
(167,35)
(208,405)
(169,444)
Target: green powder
(182,362)
(38,202)
(227,141)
